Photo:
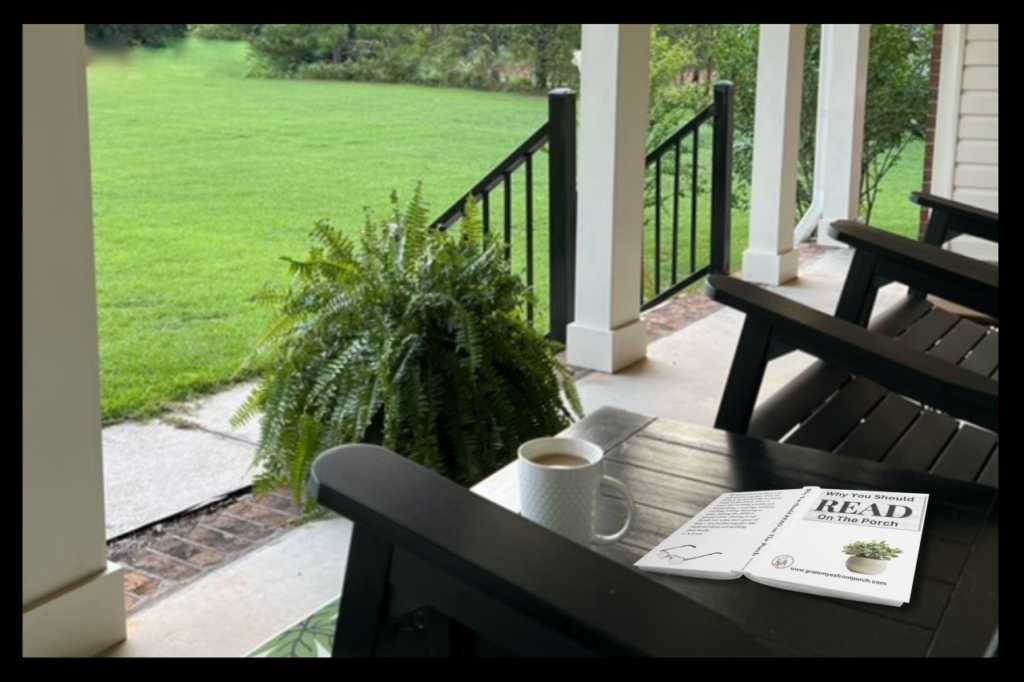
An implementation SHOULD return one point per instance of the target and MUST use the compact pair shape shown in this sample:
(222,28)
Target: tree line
(686,60)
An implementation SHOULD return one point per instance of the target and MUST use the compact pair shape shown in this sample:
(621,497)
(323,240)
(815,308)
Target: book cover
(851,544)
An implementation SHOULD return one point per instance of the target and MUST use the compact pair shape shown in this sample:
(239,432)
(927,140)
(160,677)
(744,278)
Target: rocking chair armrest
(960,218)
(940,384)
(516,566)
(968,281)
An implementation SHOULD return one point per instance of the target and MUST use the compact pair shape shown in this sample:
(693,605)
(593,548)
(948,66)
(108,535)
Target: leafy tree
(897,98)
(124,35)
(673,103)
(548,50)
(284,47)
(225,31)
(898,91)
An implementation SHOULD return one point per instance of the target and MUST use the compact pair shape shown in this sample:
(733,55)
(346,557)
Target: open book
(851,544)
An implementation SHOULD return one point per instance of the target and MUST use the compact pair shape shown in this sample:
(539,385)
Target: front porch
(236,608)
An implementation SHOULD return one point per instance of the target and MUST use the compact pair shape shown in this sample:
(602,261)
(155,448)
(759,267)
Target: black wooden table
(674,470)
(435,569)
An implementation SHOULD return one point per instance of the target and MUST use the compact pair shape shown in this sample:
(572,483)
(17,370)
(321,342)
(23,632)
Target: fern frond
(412,338)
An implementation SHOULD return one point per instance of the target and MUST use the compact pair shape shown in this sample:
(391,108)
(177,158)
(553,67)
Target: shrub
(127,35)
(224,31)
(416,341)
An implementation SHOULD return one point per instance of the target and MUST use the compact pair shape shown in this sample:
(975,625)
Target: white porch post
(608,334)
(843,87)
(72,599)
(771,258)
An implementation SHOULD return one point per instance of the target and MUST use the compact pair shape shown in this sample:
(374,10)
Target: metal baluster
(508,216)
(694,190)
(487,212)
(657,226)
(530,312)
(675,216)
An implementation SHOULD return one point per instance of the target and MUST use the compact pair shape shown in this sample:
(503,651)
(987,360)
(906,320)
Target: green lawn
(203,179)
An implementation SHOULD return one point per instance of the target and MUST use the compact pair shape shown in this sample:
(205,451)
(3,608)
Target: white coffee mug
(564,499)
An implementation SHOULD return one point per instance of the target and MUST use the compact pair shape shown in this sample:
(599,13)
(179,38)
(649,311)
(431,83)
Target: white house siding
(967,145)
(976,180)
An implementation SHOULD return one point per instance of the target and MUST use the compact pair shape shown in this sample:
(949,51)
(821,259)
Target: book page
(720,540)
(828,551)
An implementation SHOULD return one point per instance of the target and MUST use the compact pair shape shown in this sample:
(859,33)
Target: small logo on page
(784,561)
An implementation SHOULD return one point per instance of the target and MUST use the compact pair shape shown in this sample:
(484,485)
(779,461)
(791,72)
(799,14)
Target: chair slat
(959,341)
(923,442)
(877,434)
(924,333)
(990,476)
(829,426)
(966,455)
(984,359)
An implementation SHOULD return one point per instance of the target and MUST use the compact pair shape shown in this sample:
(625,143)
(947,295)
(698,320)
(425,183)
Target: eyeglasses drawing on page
(673,559)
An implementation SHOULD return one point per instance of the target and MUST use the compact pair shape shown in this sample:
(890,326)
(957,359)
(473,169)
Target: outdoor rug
(311,637)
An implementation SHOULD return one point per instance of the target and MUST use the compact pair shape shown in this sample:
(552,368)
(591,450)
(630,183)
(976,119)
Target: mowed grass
(203,179)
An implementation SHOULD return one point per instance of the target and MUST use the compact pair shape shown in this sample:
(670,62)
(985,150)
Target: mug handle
(630,511)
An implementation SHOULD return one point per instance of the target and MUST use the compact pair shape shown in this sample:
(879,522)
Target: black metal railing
(681,247)
(496,193)
(683,243)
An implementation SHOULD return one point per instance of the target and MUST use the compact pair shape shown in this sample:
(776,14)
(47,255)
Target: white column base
(606,350)
(79,621)
(824,239)
(770,268)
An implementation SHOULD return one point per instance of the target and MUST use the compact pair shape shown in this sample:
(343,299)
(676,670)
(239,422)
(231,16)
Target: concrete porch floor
(235,609)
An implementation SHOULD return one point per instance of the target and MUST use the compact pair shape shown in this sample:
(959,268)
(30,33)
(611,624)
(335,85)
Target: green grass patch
(203,178)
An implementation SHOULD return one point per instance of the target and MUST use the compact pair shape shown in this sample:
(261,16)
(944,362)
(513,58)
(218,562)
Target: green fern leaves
(416,340)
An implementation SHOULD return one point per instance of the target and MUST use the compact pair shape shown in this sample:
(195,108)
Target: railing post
(722,178)
(562,210)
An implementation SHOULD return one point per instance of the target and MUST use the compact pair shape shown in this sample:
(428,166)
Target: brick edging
(170,555)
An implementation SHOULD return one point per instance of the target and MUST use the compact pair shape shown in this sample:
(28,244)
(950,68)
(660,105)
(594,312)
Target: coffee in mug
(560,460)
(560,481)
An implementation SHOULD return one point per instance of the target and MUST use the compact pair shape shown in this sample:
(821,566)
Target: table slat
(867,474)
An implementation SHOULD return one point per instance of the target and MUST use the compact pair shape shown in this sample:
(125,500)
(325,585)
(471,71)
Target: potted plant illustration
(869,557)
(408,337)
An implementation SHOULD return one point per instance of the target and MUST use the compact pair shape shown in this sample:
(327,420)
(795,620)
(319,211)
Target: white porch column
(608,334)
(72,599)
(844,89)
(771,258)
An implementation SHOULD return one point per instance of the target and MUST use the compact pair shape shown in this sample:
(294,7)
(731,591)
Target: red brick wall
(933,105)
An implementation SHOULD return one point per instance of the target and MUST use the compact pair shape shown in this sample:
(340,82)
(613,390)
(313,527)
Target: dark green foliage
(281,49)
(126,35)
(415,340)
(481,56)
(548,50)
(224,31)
(898,91)
(897,97)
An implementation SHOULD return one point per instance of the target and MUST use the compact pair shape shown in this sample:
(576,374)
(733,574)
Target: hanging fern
(417,341)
